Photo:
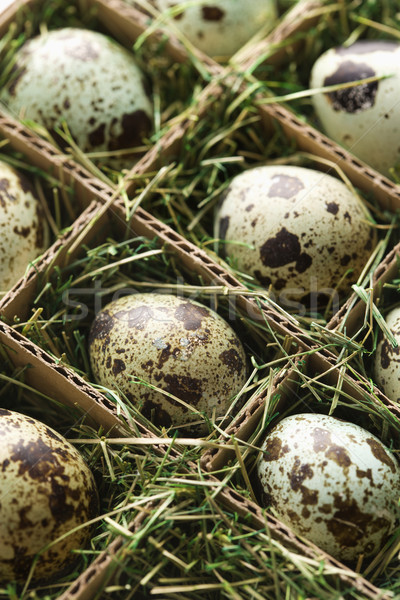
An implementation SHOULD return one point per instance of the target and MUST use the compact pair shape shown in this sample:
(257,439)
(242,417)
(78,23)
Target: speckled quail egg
(386,362)
(46,490)
(364,118)
(173,343)
(85,79)
(24,232)
(219,28)
(295,229)
(332,482)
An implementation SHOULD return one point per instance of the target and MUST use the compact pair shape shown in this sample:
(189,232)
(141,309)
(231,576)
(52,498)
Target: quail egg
(363,118)
(24,232)
(295,229)
(46,490)
(174,343)
(386,362)
(85,79)
(219,28)
(332,482)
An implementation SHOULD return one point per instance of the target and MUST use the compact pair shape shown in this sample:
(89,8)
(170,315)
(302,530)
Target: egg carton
(283,387)
(288,396)
(68,385)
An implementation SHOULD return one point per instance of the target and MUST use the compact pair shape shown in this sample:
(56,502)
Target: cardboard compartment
(172,82)
(230,138)
(307,384)
(103,257)
(290,84)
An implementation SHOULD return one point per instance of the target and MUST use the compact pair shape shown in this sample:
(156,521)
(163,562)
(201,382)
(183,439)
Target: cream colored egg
(24,232)
(173,343)
(85,79)
(387,358)
(46,490)
(221,27)
(332,482)
(295,229)
(364,118)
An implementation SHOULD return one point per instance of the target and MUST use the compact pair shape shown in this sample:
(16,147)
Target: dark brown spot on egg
(97,136)
(368,474)
(212,13)
(303,262)
(118,366)
(22,231)
(344,261)
(338,455)
(274,449)
(332,207)
(5,195)
(387,351)
(280,250)
(298,474)
(135,126)
(356,98)
(280,283)
(380,454)
(249,207)
(101,327)
(191,315)
(285,186)
(263,279)
(232,360)
(186,388)
(349,524)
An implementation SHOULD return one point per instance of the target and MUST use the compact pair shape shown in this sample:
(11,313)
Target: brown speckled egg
(24,232)
(219,27)
(295,229)
(46,490)
(173,343)
(332,482)
(386,363)
(84,78)
(364,118)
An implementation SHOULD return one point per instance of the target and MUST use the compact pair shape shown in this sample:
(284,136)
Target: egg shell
(46,489)
(24,233)
(332,482)
(220,28)
(171,342)
(84,78)
(364,118)
(295,229)
(386,361)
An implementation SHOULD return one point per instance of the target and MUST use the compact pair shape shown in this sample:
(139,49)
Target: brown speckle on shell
(212,13)
(356,98)
(285,186)
(280,250)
